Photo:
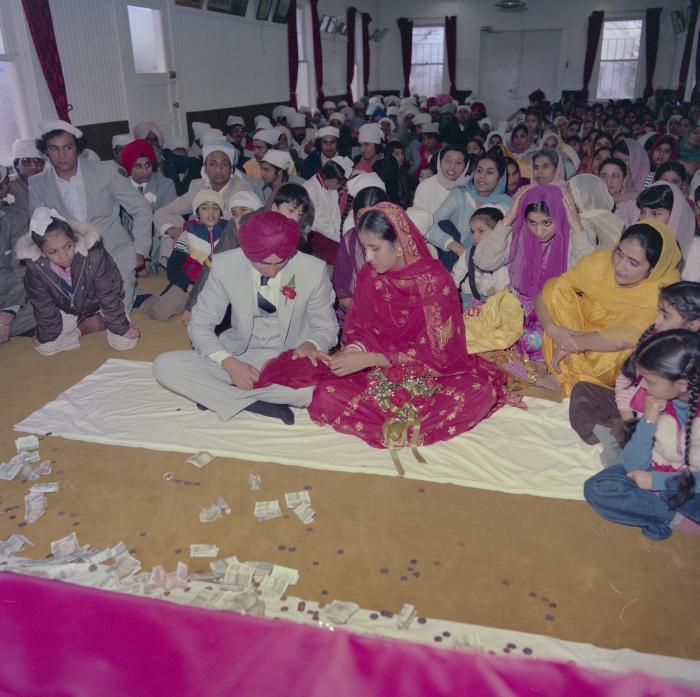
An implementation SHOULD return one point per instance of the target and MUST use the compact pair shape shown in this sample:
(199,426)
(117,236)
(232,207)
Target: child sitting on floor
(474,284)
(654,487)
(601,415)
(73,285)
(192,249)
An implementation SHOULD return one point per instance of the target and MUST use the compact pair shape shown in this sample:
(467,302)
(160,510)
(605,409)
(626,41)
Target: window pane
(617,80)
(146,39)
(10,110)
(2,41)
(619,56)
(427,60)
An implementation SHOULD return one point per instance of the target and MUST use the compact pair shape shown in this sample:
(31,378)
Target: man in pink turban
(281,300)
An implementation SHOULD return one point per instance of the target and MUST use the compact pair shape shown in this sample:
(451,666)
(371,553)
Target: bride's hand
(348,362)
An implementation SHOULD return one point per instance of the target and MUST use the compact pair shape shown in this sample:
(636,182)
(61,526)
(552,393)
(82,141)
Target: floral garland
(399,391)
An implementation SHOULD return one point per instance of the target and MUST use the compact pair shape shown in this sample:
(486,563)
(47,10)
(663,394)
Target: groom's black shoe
(276,411)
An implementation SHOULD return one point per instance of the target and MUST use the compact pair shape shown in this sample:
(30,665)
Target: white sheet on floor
(514,451)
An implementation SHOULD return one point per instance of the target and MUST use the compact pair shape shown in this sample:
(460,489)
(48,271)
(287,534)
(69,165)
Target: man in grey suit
(280,299)
(93,192)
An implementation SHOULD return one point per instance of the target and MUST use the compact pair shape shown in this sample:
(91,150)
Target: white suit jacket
(308,317)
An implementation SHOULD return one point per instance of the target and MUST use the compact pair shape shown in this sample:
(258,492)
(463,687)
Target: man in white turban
(27,161)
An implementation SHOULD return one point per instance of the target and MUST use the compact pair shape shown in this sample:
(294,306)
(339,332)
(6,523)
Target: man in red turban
(281,300)
(138,158)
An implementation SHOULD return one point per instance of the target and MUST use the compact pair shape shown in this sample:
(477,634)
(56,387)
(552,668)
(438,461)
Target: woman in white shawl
(572,161)
(595,205)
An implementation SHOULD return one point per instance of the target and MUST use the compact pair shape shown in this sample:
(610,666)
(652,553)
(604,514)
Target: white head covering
(364,181)
(25,147)
(234,120)
(342,103)
(262,122)
(336,116)
(682,220)
(210,134)
(392,111)
(328,132)
(392,100)
(422,119)
(280,159)
(220,144)
(328,104)
(371,133)
(42,218)
(345,162)
(121,139)
(174,142)
(245,199)
(199,128)
(429,128)
(486,121)
(208,195)
(279,112)
(303,109)
(487,142)
(59,125)
(595,204)
(268,135)
(296,120)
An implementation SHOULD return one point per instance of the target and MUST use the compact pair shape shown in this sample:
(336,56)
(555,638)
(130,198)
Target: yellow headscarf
(622,312)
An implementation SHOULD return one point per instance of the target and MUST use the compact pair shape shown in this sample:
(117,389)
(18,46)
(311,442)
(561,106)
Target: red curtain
(292,53)
(406,30)
(685,62)
(350,61)
(318,55)
(38,14)
(451,45)
(652,28)
(366,19)
(595,28)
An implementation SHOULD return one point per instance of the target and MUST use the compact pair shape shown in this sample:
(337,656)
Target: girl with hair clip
(602,415)
(654,488)
(73,284)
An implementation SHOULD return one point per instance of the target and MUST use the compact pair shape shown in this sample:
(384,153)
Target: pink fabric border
(59,639)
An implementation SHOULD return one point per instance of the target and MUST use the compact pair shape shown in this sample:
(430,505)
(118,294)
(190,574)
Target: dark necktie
(141,189)
(263,303)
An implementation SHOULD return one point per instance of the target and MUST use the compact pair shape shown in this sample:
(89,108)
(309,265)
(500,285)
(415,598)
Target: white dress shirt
(73,194)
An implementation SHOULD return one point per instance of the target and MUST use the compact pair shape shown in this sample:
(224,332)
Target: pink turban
(143,128)
(134,150)
(267,233)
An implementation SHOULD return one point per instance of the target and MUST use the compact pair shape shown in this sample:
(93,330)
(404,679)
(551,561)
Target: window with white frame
(427,60)
(304,96)
(147,43)
(619,59)
(12,117)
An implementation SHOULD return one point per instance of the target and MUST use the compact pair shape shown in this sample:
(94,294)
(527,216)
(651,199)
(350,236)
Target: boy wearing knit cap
(192,251)
(281,300)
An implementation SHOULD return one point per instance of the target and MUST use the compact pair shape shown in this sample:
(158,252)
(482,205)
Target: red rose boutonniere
(289,290)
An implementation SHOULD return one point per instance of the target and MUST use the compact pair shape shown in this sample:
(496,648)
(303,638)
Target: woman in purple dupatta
(351,255)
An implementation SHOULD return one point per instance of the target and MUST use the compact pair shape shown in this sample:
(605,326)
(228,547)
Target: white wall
(571,16)
(220,60)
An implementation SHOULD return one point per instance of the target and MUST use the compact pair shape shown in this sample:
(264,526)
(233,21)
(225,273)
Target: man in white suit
(93,192)
(280,299)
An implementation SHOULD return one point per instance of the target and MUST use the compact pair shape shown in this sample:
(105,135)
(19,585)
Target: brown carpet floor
(532,564)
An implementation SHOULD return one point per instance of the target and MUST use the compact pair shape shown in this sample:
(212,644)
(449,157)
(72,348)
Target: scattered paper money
(219,566)
(266,510)
(206,598)
(239,575)
(44,488)
(339,612)
(204,551)
(248,603)
(65,546)
(254,482)
(200,459)
(169,580)
(125,565)
(12,545)
(209,514)
(30,457)
(26,443)
(9,470)
(296,498)
(39,470)
(406,616)
(278,580)
(35,507)
(305,513)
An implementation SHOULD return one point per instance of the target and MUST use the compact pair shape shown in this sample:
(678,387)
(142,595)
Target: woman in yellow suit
(594,314)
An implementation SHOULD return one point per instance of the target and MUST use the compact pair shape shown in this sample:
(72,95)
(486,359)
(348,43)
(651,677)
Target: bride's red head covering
(267,233)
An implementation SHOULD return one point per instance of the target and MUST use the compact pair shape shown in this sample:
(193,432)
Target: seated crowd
(400,267)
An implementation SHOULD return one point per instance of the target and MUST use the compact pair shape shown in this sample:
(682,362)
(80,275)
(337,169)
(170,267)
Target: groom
(280,299)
